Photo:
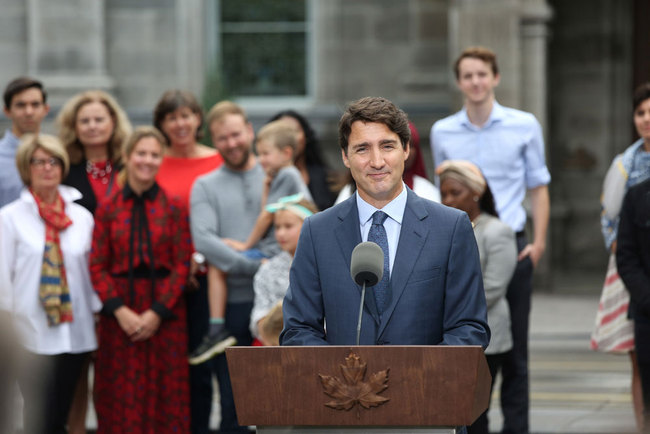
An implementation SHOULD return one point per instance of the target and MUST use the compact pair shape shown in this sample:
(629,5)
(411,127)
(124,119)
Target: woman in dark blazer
(92,127)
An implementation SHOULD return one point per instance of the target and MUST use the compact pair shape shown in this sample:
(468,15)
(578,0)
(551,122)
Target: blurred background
(574,64)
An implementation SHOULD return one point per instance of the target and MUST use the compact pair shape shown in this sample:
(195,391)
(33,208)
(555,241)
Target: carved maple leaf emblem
(352,389)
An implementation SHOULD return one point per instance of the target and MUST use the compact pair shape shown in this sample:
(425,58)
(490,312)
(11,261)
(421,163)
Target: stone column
(190,42)
(535,15)
(493,24)
(66,45)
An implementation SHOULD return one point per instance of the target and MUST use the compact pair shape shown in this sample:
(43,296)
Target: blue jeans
(254,254)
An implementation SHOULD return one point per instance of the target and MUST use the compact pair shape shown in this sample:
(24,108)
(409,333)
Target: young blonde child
(276,144)
(272,279)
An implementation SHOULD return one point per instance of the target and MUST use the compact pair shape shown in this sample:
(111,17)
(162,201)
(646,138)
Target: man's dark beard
(241,165)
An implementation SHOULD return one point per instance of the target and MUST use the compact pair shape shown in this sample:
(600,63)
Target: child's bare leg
(217,297)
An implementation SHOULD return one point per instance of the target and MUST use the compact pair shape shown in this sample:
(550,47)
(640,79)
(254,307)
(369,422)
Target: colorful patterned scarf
(54,293)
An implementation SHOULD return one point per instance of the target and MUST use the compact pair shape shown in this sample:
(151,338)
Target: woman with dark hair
(628,169)
(179,117)
(463,186)
(309,159)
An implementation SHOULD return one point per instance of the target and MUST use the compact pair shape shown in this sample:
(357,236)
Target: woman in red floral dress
(139,266)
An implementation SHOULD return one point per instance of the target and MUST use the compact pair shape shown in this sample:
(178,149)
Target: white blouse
(22,242)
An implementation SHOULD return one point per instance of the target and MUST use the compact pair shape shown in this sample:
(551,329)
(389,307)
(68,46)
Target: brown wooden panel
(427,385)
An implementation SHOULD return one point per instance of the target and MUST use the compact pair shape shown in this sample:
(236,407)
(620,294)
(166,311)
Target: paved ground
(573,389)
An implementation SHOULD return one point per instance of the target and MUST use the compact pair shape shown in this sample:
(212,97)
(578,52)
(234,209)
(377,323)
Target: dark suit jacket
(633,249)
(437,287)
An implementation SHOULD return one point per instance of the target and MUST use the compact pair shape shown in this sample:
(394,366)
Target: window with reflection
(264,47)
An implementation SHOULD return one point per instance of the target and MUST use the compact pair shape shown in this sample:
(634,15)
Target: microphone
(366,269)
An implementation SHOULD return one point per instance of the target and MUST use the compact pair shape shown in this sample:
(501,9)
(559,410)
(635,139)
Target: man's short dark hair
(20,84)
(374,109)
(641,94)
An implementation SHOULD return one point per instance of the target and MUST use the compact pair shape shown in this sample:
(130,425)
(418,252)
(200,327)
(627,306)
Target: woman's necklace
(99,171)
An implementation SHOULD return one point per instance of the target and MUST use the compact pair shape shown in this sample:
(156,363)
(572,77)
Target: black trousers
(494,361)
(237,320)
(47,383)
(514,388)
(642,347)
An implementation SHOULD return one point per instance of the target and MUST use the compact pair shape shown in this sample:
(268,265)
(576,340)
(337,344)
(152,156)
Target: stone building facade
(573,64)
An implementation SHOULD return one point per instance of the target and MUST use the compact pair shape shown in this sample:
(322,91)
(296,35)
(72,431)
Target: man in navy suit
(434,294)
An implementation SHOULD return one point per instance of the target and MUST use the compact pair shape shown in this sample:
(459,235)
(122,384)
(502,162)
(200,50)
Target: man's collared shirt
(393,224)
(10,182)
(509,150)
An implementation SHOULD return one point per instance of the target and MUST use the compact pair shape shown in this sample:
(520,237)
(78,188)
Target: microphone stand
(363,296)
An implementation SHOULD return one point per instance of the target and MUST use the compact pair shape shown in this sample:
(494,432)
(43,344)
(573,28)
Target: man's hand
(535,253)
(540,207)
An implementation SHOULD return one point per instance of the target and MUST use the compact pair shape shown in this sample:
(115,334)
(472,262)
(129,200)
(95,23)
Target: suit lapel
(411,240)
(348,236)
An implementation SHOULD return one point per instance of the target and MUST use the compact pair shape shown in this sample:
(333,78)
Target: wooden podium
(369,389)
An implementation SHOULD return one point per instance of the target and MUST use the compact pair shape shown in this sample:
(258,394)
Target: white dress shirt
(22,241)
(393,224)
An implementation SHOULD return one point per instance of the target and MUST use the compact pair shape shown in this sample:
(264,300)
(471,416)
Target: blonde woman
(93,127)
(45,286)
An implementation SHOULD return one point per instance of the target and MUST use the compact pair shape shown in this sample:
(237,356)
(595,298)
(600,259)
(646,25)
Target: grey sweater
(225,204)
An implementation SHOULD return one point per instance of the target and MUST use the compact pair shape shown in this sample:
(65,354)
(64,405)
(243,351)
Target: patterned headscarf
(464,172)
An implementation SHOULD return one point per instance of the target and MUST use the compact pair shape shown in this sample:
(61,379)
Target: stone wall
(590,118)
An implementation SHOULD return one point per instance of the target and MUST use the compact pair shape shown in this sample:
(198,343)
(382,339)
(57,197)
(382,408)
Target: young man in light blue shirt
(507,145)
(25,105)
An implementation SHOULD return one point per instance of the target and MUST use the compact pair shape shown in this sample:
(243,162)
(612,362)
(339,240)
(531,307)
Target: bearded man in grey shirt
(225,203)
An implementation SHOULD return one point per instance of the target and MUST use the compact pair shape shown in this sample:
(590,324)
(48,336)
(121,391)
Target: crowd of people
(144,253)
(101,266)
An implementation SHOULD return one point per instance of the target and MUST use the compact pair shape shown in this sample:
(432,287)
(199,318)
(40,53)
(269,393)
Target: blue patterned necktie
(377,235)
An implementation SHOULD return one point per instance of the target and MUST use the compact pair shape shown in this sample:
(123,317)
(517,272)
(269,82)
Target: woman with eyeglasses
(45,287)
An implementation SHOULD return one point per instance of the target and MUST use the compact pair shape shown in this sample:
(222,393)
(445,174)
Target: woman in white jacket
(45,285)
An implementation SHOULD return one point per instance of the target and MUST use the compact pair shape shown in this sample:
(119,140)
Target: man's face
(26,111)
(233,138)
(476,80)
(375,158)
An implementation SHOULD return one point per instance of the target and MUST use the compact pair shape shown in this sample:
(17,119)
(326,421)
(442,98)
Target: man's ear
(344,155)
(407,150)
